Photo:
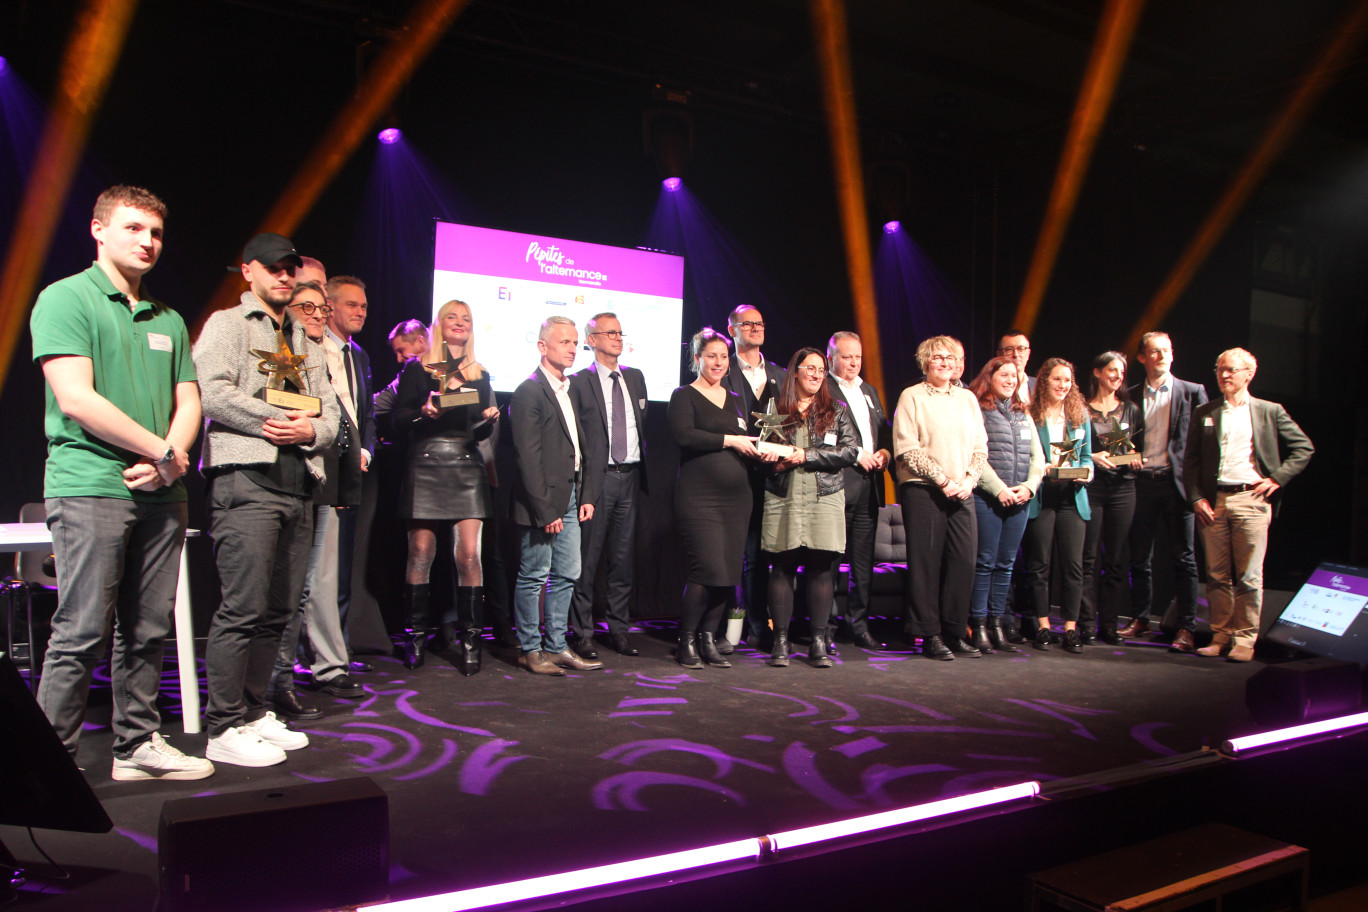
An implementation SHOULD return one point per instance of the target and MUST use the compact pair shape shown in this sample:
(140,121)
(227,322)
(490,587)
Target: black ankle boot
(416,599)
(779,655)
(469,611)
(997,638)
(707,648)
(686,653)
(980,636)
(817,652)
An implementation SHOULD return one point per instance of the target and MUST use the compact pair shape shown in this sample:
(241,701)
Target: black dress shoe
(584,647)
(962,648)
(622,644)
(1110,636)
(866,641)
(1073,641)
(933,647)
(287,705)
(724,646)
(1086,636)
(360,666)
(343,686)
(1043,638)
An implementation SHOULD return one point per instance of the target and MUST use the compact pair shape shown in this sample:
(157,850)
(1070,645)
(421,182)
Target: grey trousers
(261,545)
(116,559)
(318,614)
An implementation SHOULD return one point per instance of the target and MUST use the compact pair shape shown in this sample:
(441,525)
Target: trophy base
(782,450)
(288,400)
(1068,473)
(1124,459)
(458,398)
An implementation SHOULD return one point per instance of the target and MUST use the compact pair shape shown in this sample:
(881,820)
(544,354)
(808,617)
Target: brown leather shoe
(1215,649)
(1182,642)
(1241,654)
(1137,627)
(568,659)
(538,663)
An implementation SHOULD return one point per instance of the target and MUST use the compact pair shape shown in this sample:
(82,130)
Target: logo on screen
(1338,582)
(505,293)
(579,299)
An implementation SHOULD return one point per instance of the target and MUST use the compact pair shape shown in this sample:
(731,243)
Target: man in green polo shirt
(122,409)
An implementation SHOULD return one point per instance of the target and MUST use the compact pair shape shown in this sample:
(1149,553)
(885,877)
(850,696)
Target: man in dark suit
(756,381)
(864,481)
(552,494)
(1240,451)
(347,297)
(610,402)
(1160,495)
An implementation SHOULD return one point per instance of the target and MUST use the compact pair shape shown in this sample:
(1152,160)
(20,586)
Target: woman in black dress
(712,495)
(445,481)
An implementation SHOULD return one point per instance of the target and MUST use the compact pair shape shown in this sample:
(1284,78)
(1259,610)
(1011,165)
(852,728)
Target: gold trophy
(282,366)
(445,369)
(1063,453)
(1120,450)
(770,423)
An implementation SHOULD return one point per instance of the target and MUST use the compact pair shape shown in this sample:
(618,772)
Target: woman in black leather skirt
(445,482)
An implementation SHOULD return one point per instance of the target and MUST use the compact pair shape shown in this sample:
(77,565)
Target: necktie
(619,433)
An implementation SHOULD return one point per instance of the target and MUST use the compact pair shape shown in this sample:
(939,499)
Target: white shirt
(562,390)
(1158,407)
(859,411)
(755,374)
(606,382)
(1237,446)
(337,374)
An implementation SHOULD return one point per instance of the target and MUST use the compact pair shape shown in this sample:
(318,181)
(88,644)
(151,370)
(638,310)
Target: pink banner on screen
(487,251)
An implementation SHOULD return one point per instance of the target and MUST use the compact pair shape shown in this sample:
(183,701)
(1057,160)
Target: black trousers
(1059,529)
(1111,500)
(862,522)
(1157,501)
(613,529)
(942,543)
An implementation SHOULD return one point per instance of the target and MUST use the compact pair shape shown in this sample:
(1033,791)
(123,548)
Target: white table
(36,537)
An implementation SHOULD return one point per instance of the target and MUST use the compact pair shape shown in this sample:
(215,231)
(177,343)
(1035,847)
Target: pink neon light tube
(1249,742)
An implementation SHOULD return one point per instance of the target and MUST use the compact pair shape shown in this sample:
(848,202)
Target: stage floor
(507,775)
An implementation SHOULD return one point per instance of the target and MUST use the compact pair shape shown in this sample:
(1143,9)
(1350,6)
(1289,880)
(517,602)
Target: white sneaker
(241,747)
(271,730)
(155,759)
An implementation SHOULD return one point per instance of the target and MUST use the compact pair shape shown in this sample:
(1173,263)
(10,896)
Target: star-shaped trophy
(1064,451)
(280,366)
(442,371)
(1120,450)
(770,422)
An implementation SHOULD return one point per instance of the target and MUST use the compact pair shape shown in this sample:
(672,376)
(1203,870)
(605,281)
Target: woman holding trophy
(1115,420)
(1059,511)
(447,405)
(805,502)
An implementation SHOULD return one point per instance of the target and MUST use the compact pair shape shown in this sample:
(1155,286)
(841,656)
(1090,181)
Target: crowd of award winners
(1004,482)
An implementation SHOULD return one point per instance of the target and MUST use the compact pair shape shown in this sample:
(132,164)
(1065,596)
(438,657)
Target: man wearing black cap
(262,463)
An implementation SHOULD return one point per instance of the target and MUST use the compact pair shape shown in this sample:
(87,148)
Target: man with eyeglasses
(1240,452)
(757,382)
(864,481)
(1017,347)
(610,401)
(1160,493)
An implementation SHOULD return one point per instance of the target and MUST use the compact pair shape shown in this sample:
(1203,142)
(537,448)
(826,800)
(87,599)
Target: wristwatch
(166,457)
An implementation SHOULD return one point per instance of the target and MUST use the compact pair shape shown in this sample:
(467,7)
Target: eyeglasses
(1222,371)
(813,371)
(308,307)
(1009,349)
(751,324)
(945,359)
(610,333)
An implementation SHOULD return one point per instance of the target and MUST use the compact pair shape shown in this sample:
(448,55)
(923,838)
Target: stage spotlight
(1235,746)
(892,227)
(4,65)
(390,135)
(671,183)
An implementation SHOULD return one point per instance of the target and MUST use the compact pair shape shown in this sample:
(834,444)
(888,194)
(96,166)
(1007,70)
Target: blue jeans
(553,555)
(999,535)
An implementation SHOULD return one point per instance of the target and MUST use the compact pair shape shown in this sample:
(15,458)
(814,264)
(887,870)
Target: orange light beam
(1318,78)
(421,30)
(1114,34)
(92,53)
(838,92)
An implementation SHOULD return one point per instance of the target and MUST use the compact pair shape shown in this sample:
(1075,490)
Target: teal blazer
(1081,457)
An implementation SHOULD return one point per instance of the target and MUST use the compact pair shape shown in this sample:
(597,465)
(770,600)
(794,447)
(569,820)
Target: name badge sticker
(1208,421)
(830,439)
(1025,433)
(740,422)
(869,399)
(159,342)
(1125,426)
(641,403)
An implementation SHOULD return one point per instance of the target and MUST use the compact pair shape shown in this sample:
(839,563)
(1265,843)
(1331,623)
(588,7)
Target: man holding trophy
(263,454)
